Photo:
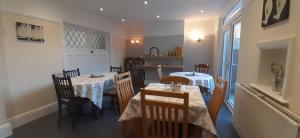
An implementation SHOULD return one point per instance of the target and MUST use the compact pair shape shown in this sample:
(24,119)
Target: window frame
(88,34)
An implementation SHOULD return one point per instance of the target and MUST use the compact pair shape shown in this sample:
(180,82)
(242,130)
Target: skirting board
(5,130)
(238,128)
(32,115)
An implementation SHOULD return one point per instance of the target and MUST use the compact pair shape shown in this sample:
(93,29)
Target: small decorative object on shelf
(278,75)
(155,49)
(177,52)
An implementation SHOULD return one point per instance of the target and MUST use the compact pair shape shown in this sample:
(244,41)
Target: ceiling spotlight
(123,20)
(100,9)
(202,11)
(157,16)
(146,2)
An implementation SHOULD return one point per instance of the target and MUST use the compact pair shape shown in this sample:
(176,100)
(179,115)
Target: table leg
(138,128)
(197,131)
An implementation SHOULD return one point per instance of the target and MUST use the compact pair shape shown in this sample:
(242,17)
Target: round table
(93,88)
(197,79)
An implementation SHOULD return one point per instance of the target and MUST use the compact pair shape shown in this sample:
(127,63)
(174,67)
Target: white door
(230,50)
(86,49)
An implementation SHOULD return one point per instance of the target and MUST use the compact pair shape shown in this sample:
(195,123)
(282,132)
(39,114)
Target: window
(233,12)
(78,37)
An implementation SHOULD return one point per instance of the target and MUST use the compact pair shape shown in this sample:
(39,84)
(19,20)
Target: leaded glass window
(98,41)
(77,37)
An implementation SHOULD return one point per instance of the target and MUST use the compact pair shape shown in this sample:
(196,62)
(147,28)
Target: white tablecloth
(93,88)
(199,79)
(198,113)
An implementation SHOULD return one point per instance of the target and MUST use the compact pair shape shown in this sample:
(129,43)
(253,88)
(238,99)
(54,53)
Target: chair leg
(59,114)
(123,128)
(112,102)
(74,117)
(118,106)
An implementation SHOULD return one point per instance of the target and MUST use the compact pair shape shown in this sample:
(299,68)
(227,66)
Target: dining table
(198,112)
(93,86)
(197,79)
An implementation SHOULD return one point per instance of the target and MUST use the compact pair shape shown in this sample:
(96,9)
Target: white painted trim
(238,128)
(30,16)
(5,130)
(32,115)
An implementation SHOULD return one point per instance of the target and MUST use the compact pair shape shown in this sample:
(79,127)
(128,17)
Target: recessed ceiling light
(146,2)
(123,20)
(202,11)
(157,16)
(100,9)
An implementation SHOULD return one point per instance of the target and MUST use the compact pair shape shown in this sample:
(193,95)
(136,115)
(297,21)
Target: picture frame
(275,11)
(29,32)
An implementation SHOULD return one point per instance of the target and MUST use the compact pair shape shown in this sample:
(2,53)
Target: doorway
(231,32)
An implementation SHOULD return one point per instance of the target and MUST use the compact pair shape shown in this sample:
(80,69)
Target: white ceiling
(136,11)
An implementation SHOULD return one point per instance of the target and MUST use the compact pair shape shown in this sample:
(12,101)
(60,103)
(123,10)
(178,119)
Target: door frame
(230,25)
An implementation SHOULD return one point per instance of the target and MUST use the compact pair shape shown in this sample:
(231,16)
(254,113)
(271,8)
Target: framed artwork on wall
(29,32)
(275,11)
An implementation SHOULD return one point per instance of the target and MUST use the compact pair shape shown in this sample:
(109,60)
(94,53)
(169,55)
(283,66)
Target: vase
(277,84)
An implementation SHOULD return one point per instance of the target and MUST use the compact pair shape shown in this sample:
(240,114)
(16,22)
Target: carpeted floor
(107,126)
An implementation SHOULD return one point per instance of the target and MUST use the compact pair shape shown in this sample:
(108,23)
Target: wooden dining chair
(159,72)
(202,68)
(138,79)
(116,69)
(161,119)
(111,93)
(175,79)
(71,73)
(125,92)
(65,96)
(217,99)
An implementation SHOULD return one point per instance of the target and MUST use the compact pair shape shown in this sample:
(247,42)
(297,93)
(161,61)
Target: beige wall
(3,80)
(252,33)
(199,52)
(30,64)
(118,50)
(194,52)
(59,11)
(135,50)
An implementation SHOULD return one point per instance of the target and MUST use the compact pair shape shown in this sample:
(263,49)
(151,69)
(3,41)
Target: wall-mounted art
(275,11)
(29,32)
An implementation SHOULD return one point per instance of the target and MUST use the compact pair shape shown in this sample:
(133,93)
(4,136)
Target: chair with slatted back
(138,79)
(175,79)
(71,73)
(65,96)
(116,69)
(159,72)
(160,119)
(202,68)
(217,99)
(125,92)
(112,92)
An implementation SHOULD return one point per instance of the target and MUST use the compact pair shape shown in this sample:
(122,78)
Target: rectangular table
(198,113)
(93,88)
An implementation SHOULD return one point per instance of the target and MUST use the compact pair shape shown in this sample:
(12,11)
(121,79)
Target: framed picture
(275,11)
(29,32)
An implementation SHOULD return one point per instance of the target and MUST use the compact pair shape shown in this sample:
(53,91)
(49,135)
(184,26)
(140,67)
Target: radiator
(255,117)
